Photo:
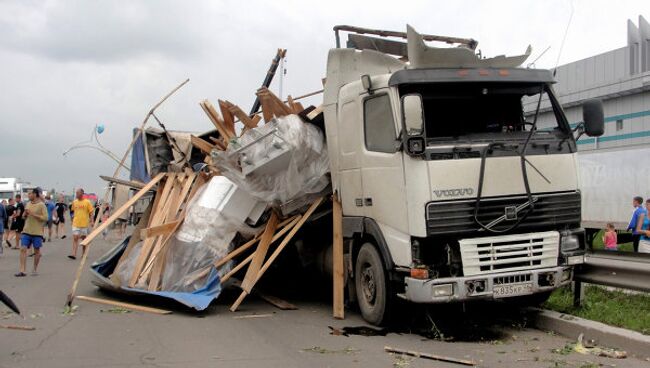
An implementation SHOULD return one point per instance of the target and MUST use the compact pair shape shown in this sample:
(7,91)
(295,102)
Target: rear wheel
(371,285)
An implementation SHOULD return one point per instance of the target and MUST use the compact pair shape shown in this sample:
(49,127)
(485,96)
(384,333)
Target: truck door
(382,172)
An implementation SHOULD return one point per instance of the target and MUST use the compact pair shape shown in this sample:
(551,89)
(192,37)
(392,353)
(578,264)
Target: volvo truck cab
(450,191)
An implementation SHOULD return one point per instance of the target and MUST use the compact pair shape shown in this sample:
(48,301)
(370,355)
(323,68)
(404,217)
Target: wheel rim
(368,285)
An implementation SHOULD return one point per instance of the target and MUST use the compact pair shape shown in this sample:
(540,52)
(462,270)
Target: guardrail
(617,269)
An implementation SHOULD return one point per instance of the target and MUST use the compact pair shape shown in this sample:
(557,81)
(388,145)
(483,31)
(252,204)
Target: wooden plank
(337,256)
(201,144)
(133,240)
(256,119)
(260,253)
(128,183)
(236,269)
(153,231)
(18,327)
(228,118)
(159,266)
(98,230)
(218,142)
(116,214)
(278,250)
(267,107)
(215,118)
(157,219)
(176,201)
(315,112)
(114,303)
(441,358)
(279,104)
(241,115)
(275,301)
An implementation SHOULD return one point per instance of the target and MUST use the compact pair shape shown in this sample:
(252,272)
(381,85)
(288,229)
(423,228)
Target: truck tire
(372,286)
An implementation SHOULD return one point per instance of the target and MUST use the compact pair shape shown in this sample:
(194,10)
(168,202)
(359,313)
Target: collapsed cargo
(256,188)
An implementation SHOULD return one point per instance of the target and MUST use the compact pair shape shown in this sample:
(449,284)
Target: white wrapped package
(278,162)
(214,217)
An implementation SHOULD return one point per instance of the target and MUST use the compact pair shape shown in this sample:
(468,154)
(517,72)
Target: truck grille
(551,212)
(509,252)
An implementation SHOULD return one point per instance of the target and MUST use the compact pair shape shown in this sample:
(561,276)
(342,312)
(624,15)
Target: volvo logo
(454,192)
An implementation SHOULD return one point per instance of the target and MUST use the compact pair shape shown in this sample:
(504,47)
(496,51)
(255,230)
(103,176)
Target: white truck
(448,192)
(9,187)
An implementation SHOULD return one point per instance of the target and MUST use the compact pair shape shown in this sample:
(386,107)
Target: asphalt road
(93,337)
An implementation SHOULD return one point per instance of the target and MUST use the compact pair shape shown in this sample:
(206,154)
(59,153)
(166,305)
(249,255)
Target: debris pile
(253,189)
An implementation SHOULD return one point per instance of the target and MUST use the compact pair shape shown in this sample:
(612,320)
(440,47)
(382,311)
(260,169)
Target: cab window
(379,127)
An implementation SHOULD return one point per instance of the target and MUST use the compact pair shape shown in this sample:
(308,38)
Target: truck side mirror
(413,114)
(593,117)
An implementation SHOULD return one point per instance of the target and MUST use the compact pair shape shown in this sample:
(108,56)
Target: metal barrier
(617,269)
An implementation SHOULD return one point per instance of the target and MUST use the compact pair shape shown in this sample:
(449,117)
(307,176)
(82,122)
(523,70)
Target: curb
(633,342)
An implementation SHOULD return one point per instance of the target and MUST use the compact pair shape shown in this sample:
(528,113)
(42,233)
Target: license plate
(501,291)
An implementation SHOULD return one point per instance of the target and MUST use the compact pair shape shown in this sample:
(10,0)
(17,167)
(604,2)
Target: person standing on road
(59,216)
(609,238)
(643,229)
(83,211)
(10,209)
(19,221)
(50,214)
(35,216)
(637,202)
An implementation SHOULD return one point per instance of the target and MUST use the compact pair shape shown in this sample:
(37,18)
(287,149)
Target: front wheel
(371,285)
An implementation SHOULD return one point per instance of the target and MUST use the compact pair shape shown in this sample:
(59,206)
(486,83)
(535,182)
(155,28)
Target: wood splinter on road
(17,327)
(441,358)
(123,305)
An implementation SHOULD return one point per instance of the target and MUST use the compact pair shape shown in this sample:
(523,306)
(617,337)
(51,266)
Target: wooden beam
(157,219)
(441,358)
(278,250)
(218,142)
(228,118)
(260,252)
(98,230)
(159,268)
(133,240)
(241,115)
(135,307)
(216,120)
(338,300)
(315,112)
(201,144)
(151,232)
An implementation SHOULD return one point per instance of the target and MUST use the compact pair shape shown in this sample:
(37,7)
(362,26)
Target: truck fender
(367,227)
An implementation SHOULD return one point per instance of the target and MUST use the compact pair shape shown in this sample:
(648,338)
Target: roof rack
(388,46)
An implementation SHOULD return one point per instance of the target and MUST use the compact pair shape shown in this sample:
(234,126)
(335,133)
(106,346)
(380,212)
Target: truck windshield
(476,111)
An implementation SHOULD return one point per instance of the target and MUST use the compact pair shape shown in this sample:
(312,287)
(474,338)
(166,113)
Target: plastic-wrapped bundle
(210,225)
(278,162)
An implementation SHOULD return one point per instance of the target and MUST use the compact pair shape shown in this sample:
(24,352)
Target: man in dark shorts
(35,216)
(10,209)
(3,222)
(19,221)
(59,216)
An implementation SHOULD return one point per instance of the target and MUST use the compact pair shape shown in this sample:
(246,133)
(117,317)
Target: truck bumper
(490,286)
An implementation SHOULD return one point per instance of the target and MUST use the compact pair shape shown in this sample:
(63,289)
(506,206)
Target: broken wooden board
(338,300)
(260,252)
(114,303)
(201,144)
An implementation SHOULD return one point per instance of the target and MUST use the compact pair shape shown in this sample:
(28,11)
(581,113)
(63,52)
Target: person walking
(59,216)
(643,229)
(10,209)
(637,202)
(19,220)
(35,215)
(50,215)
(83,211)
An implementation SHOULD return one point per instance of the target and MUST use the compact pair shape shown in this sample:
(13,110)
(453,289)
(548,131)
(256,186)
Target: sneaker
(63,237)
(72,257)
(20,274)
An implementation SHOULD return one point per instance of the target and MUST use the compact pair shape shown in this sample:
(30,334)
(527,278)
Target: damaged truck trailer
(449,192)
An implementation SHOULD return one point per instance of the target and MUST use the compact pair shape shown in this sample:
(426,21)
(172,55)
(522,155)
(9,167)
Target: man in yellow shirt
(83,211)
(35,216)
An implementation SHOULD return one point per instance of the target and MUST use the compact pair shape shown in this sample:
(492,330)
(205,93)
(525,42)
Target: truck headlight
(569,242)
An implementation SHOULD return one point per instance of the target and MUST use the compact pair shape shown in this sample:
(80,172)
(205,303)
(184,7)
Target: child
(610,239)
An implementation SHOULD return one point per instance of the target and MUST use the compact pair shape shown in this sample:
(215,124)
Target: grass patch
(613,307)
(598,243)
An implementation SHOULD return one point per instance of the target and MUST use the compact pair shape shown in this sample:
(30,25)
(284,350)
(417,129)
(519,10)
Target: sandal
(20,274)
(72,257)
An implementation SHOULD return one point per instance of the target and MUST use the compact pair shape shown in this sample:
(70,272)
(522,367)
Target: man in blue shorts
(35,216)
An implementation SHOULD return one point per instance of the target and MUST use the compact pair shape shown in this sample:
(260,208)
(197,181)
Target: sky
(67,66)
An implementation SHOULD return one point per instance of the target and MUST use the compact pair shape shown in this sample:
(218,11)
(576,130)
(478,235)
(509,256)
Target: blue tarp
(199,299)
(138,165)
